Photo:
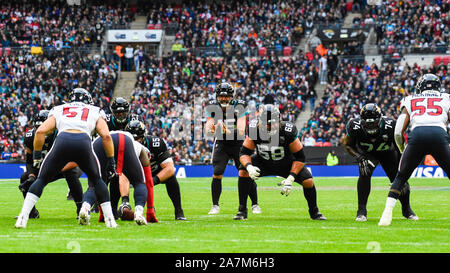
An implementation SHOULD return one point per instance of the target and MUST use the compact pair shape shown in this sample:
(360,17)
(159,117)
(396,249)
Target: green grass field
(283,227)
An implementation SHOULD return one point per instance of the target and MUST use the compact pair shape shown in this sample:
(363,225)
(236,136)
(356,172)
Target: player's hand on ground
(253,171)
(151,216)
(287,185)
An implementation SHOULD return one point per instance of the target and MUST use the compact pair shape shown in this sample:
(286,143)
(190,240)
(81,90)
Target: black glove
(111,168)
(365,165)
(26,184)
(37,159)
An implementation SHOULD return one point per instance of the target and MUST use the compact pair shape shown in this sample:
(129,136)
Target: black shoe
(409,214)
(241,215)
(316,215)
(179,215)
(34,214)
(69,197)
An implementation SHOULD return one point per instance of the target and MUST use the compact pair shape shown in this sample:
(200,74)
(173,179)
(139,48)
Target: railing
(402,49)
(248,52)
(50,50)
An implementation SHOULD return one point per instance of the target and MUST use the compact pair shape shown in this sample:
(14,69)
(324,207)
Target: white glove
(287,185)
(253,171)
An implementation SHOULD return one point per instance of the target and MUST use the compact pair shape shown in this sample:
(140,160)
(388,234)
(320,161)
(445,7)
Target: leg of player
(363,188)
(173,190)
(244,184)
(140,198)
(25,182)
(309,191)
(216,191)
(253,193)
(72,176)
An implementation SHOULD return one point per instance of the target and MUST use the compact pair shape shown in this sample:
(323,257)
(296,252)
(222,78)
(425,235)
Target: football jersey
(113,124)
(28,142)
(159,153)
(381,142)
(237,110)
(137,146)
(276,151)
(429,108)
(77,116)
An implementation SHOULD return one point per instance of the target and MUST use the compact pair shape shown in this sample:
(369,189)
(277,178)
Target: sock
(28,203)
(138,210)
(244,185)
(253,194)
(106,208)
(140,194)
(89,197)
(390,204)
(173,190)
(149,184)
(311,197)
(363,188)
(216,190)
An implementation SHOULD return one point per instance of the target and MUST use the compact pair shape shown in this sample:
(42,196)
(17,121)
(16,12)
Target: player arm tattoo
(246,150)
(46,128)
(296,148)
(400,128)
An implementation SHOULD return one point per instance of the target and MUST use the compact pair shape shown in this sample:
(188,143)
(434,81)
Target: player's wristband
(248,164)
(37,155)
(156,180)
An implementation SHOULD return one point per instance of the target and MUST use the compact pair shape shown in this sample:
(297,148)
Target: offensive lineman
(370,139)
(75,121)
(229,116)
(162,166)
(278,152)
(428,113)
(70,172)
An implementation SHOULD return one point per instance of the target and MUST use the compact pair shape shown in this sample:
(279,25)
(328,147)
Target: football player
(162,166)
(117,120)
(370,139)
(226,120)
(76,122)
(70,172)
(132,161)
(428,113)
(279,152)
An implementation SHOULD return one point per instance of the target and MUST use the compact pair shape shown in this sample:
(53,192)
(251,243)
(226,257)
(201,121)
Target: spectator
(332,158)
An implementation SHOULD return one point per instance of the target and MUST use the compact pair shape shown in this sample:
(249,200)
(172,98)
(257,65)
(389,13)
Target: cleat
(241,215)
(179,215)
(361,218)
(140,220)
(318,216)
(214,210)
(21,221)
(110,222)
(410,215)
(84,217)
(256,209)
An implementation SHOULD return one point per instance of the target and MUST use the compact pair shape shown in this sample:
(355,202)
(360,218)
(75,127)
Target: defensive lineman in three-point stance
(278,152)
(75,121)
(428,113)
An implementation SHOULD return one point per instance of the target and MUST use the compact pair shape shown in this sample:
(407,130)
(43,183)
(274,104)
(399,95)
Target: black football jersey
(158,152)
(28,143)
(229,118)
(274,150)
(114,125)
(383,141)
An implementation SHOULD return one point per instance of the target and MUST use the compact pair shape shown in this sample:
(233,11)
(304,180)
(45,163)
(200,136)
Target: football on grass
(127,215)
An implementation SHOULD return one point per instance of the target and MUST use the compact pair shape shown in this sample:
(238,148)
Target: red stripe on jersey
(120,153)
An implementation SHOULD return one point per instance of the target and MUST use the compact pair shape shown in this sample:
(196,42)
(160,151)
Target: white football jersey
(430,108)
(77,115)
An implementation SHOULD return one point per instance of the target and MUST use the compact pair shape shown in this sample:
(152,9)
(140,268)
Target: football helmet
(269,116)
(224,93)
(120,109)
(136,128)
(40,118)
(371,118)
(81,95)
(428,82)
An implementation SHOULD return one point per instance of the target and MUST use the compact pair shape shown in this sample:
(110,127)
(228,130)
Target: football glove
(27,183)
(37,159)
(111,168)
(253,171)
(287,185)
(151,216)
(365,165)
